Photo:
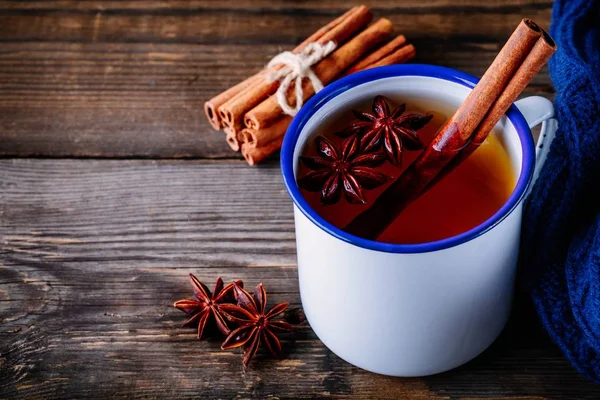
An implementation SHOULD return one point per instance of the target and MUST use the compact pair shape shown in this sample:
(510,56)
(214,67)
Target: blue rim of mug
(340,86)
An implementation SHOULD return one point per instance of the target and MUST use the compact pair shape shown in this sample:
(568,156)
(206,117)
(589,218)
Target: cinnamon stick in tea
(539,56)
(262,137)
(326,70)
(452,137)
(233,110)
(352,20)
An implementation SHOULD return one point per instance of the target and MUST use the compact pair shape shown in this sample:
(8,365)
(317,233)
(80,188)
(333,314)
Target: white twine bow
(297,67)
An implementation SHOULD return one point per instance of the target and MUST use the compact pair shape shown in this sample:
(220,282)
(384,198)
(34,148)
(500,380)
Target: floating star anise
(255,324)
(208,304)
(348,171)
(394,129)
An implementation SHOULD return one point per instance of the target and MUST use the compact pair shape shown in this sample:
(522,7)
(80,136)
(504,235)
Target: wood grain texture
(128,78)
(231,21)
(94,252)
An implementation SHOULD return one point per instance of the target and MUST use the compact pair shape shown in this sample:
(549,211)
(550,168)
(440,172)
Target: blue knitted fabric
(561,228)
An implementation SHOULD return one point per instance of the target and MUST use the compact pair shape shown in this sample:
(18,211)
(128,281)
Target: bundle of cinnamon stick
(250,115)
(521,58)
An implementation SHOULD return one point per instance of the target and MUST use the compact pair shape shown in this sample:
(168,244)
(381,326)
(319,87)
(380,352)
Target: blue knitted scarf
(560,255)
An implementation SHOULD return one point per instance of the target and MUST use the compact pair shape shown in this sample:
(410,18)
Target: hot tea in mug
(437,283)
(408,214)
(471,193)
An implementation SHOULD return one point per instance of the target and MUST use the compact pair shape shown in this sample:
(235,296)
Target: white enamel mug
(411,310)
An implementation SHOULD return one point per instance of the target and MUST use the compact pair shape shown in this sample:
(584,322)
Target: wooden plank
(252,24)
(277,5)
(145,100)
(94,252)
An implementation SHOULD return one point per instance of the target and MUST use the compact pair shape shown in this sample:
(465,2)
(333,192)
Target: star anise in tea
(256,325)
(394,129)
(207,305)
(348,171)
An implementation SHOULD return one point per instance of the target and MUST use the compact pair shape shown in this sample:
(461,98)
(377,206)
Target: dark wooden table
(113,188)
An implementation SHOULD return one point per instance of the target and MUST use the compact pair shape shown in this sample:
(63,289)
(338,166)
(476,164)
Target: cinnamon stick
(333,30)
(233,110)
(539,56)
(326,70)
(384,51)
(401,55)
(327,28)
(232,134)
(341,29)
(212,105)
(257,138)
(254,138)
(451,138)
(231,138)
(255,155)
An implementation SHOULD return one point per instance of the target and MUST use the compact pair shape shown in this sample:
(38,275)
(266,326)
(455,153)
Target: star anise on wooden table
(206,304)
(294,316)
(348,171)
(256,325)
(395,130)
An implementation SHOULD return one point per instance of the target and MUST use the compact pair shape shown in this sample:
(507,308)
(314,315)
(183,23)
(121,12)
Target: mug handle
(536,110)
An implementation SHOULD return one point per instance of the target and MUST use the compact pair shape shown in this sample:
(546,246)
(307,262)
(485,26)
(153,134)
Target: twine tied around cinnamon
(297,67)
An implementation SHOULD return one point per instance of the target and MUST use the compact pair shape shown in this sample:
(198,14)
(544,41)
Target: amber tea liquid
(465,198)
